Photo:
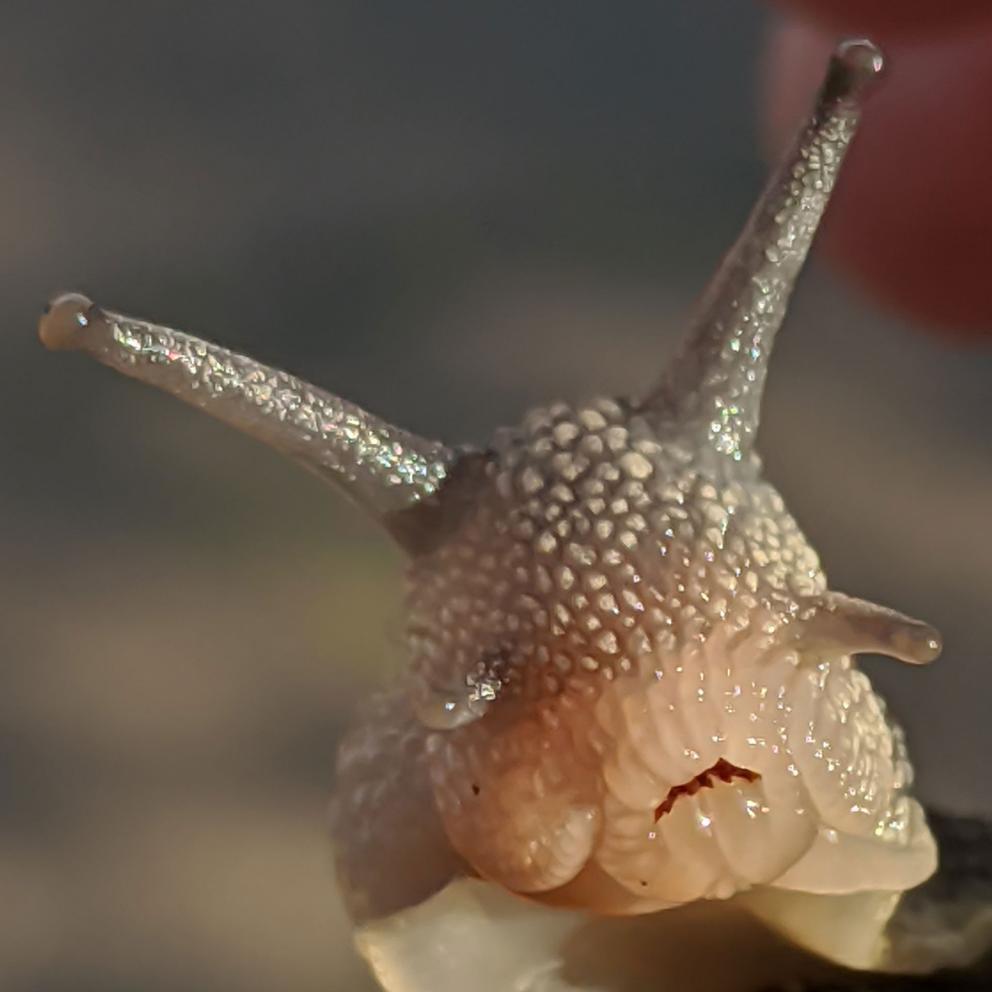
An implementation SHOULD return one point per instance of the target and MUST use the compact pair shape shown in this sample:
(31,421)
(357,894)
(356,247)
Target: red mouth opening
(722,771)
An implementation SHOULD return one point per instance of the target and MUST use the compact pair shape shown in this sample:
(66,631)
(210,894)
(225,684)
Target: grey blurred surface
(446,212)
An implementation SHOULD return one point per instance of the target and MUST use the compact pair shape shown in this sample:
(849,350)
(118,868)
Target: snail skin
(631,715)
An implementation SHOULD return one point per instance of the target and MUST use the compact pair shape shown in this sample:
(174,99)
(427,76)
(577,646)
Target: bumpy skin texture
(625,612)
(637,607)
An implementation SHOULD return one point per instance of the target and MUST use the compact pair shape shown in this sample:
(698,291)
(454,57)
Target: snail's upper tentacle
(383,468)
(717,381)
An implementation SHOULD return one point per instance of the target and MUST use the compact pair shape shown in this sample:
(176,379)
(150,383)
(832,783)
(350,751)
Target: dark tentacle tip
(855,65)
(62,320)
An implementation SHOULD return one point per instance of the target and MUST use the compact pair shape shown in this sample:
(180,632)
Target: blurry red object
(888,19)
(912,218)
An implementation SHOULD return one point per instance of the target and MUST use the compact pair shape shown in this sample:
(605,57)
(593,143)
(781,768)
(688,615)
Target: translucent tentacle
(384,469)
(836,622)
(717,381)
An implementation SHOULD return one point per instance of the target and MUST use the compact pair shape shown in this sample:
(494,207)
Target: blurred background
(445,212)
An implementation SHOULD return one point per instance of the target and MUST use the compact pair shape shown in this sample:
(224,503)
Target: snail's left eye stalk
(383,468)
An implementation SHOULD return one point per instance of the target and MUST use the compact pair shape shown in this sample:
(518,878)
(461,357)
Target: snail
(631,704)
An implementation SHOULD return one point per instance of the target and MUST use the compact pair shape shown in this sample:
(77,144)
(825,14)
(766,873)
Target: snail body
(631,693)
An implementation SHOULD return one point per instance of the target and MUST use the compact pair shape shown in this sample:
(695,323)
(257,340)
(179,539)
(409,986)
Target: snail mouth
(721,771)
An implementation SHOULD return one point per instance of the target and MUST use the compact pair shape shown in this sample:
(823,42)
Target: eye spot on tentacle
(62,320)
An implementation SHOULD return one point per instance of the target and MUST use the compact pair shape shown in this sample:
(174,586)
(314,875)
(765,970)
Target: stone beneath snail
(631,717)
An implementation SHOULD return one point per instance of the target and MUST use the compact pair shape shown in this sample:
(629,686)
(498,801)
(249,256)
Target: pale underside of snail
(631,724)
